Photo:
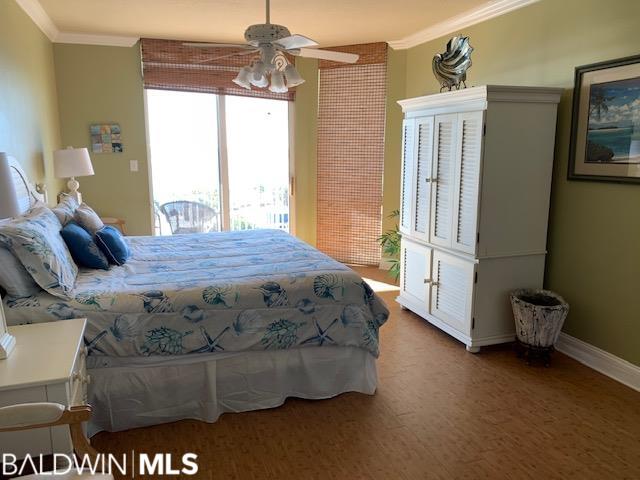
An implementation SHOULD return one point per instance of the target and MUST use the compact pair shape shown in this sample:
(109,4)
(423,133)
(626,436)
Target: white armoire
(474,206)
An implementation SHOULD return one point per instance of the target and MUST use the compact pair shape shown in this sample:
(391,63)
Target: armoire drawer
(451,295)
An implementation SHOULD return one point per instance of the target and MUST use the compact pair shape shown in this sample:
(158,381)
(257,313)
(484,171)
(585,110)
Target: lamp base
(73,186)
(7,344)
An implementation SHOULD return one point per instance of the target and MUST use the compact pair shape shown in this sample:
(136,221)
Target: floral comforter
(232,291)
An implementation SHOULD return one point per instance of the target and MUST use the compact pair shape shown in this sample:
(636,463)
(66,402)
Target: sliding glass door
(257,154)
(183,144)
(218,163)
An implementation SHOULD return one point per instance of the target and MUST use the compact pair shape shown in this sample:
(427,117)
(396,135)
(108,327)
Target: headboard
(26,191)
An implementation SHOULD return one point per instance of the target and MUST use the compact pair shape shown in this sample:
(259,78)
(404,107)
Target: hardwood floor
(439,412)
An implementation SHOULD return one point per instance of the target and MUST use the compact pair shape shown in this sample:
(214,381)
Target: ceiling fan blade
(217,45)
(295,41)
(327,55)
(239,54)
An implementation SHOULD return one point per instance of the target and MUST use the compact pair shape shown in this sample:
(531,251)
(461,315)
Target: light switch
(133,165)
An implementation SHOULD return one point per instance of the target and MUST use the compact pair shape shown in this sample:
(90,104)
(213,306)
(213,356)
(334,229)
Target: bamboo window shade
(171,65)
(351,124)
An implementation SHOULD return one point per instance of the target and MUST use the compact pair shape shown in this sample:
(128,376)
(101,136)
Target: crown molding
(89,39)
(482,13)
(40,17)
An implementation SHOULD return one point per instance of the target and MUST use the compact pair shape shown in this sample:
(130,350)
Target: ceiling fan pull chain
(268,12)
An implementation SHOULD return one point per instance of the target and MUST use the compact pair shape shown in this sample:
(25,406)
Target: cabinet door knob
(427,280)
(431,180)
(435,284)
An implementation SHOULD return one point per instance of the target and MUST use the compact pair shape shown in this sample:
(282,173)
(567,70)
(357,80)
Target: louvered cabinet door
(415,267)
(467,180)
(407,176)
(423,177)
(443,171)
(452,291)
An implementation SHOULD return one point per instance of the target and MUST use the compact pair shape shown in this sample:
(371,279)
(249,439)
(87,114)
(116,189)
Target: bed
(193,326)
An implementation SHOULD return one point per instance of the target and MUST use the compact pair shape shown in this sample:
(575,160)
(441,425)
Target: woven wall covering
(170,65)
(351,123)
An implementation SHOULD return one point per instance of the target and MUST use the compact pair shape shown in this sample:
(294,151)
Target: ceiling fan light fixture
(277,83)
(274,42)
(267,54)
(243,79)
(292,76)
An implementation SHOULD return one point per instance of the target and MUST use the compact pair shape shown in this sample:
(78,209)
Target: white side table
(47,365)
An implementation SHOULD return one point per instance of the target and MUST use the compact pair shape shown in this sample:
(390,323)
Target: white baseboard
(601,361)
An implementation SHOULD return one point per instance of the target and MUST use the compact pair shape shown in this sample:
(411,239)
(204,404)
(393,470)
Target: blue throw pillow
(82,247)
(113,245)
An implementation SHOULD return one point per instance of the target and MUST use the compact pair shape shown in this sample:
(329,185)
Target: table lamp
(70,163)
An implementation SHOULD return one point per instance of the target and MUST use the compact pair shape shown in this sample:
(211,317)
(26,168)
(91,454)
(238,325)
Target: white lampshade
(292,76)
(244,78)
(259,69)
(72,162)
(9,206)
(261,83)
(277,82)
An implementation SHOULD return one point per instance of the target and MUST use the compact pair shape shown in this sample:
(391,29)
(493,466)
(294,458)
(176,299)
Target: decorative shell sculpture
(450,67)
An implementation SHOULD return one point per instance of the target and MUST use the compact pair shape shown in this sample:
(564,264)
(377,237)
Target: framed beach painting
(605,128)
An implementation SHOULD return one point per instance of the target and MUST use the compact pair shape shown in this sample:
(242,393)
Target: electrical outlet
(133,165)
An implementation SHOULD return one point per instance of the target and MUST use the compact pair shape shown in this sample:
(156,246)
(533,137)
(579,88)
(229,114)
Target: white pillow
(35,240)
(65,209)
(14,278)
(88,219)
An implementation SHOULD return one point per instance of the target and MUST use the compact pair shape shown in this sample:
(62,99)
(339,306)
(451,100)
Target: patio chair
(189,217)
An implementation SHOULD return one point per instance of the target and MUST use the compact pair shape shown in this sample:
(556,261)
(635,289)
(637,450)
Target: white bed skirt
(136,392)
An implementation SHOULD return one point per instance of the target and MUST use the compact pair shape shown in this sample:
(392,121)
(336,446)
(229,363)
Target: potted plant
(390,243)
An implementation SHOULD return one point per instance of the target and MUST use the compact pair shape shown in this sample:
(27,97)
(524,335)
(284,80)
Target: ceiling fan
(272,68)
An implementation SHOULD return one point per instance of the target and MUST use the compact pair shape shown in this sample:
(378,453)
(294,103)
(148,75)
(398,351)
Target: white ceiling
(330,22)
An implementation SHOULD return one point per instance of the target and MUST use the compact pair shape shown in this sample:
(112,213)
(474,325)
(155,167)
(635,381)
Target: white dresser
(47,365)
(474,207)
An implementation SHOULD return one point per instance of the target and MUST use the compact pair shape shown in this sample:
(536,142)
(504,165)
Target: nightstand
(47,365)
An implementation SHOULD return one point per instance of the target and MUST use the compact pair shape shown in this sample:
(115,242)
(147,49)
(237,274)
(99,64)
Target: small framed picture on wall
(105,138)
(605,125)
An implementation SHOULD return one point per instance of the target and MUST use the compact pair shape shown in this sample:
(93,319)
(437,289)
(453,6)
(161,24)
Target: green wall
(104,84)
(29,128)
(594,231)
(396,90)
